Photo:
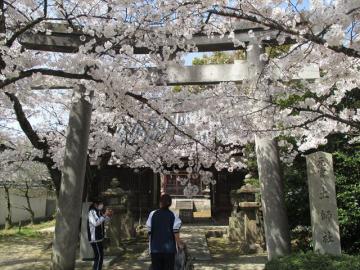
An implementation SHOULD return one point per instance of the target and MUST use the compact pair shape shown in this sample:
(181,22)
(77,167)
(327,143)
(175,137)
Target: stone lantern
(122,224)
(245,221)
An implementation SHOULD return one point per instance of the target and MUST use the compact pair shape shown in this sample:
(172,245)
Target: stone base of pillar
(86,251)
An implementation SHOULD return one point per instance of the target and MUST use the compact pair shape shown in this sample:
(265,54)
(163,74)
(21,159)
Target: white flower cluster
(191,190)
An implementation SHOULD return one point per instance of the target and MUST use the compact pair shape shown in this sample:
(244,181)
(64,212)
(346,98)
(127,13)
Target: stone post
(272,198)
(86,252)
(162,184)
(276,226)
(256,65)
(72,184)
(156,190)
(323,207)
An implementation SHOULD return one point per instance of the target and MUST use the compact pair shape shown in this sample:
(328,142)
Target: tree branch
(28,26)
(24,123)
(281,27)
(353,10)
(145,101)
(49,72)
(354,124)
(17,10)
(4,147)
(36,141)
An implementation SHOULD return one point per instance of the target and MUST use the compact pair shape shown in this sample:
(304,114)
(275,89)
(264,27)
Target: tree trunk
(8,221)
(2,17)
(2,31)
(36,141)
(28,207)
(55,175)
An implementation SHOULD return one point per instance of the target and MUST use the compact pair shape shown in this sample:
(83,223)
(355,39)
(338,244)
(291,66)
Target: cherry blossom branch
(354,124)
(63,74)
(27,27)
(353,10)
(17,10)
(4,147)
(230,12)
(157,111)
(50,72)
(35,140)
(24,123)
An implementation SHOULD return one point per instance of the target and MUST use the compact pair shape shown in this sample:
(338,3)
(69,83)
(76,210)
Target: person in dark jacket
(164,230)
(95,226)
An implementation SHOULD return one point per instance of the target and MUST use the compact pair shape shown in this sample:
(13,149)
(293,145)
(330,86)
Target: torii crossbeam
(60,40)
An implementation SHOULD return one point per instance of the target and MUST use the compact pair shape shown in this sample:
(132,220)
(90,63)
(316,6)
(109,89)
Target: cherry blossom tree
(138,124)
(317,40)
(326,34)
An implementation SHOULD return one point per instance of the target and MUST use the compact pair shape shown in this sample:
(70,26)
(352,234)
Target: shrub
(312,261)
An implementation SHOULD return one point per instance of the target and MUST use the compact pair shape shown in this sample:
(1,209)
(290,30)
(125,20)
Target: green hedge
(312,261)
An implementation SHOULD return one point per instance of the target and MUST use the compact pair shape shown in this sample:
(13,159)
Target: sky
(190,56)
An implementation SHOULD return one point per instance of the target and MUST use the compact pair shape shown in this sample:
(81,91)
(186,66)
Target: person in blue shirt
(164,231)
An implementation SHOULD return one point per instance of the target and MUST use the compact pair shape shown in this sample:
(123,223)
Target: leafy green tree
(220,58)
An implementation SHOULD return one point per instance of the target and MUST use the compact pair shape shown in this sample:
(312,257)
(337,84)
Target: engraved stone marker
(323,207)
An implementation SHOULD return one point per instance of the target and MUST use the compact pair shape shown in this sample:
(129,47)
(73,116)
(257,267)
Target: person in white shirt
(95,226)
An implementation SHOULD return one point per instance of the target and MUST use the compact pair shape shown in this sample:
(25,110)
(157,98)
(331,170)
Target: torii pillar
(72,183)
(276,226)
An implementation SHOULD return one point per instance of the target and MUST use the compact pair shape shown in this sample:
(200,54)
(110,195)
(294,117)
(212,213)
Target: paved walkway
(30,254)
(253,262)
(195,237)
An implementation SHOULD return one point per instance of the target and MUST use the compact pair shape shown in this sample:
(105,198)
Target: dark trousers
(99,255)
(163,261)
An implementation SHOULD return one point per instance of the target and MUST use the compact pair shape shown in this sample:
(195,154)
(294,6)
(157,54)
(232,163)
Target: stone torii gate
(275,217)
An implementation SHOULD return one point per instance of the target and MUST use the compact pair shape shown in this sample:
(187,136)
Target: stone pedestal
(322,195)
(236,228)
(122,224)
(244,222)
(86,251)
